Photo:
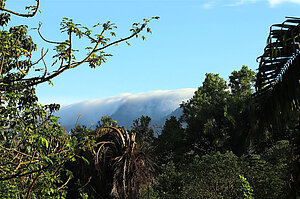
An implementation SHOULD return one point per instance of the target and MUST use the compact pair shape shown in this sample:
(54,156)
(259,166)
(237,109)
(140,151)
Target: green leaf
(84,159)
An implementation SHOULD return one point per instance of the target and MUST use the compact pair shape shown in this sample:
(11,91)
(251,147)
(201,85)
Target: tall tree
(218,116)
(144,133)
(170,145)
(204,114)
(242,82)
(240,107)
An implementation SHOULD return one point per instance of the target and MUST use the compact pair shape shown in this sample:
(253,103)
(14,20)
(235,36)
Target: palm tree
(278,86)
(117,167)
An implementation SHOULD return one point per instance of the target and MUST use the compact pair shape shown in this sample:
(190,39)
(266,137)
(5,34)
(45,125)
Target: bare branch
(62,186)
(45,73)
(43,38)
(24,15)
(18,66)
(2,62)
(31,186)
(43,55)
(70,51)
(96,46)
(20,174)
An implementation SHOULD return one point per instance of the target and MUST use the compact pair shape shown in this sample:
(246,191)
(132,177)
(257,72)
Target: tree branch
(43,38)
(24,15)
(121,40)
(37,80)
(31,186)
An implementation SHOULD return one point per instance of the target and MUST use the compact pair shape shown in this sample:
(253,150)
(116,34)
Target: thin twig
(35,179)
(2,63)
(64,184)
(45,73)
(121,40)
(43,38)
(70,51)
(18,66)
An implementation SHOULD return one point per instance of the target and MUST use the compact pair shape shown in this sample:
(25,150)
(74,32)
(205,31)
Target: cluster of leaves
(144,133)
(33,147)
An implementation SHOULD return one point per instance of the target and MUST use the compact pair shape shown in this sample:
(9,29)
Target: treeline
(217,150)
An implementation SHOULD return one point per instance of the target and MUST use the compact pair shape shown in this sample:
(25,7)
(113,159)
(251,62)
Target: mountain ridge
(124,108)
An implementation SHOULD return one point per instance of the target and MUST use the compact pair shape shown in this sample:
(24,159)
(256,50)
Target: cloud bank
(125,107)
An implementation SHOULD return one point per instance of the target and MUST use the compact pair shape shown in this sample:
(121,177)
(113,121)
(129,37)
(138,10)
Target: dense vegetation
(211,152)
(221,147)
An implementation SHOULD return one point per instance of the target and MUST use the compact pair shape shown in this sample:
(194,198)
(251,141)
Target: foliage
(241,82)
(223,176)
(144,133)
(33,150)
(113,167)
(204,115)
(19,71)
(206,154)
(213,176)
(239,112)
(268,181)
(277,85)
(246,189)
(218,116)
(106,121)
(170,144)
(169,183)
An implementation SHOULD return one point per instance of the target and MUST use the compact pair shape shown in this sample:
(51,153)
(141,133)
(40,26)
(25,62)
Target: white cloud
(276,2)
(207,5)
(213,3)
(154,104)
(242,2)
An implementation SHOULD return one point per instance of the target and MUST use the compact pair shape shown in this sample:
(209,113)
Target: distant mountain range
(159,105)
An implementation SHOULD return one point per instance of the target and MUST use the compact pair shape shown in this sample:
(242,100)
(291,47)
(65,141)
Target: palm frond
(118,168)
(277,84)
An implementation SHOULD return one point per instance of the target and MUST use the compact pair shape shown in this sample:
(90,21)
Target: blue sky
(191,38)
